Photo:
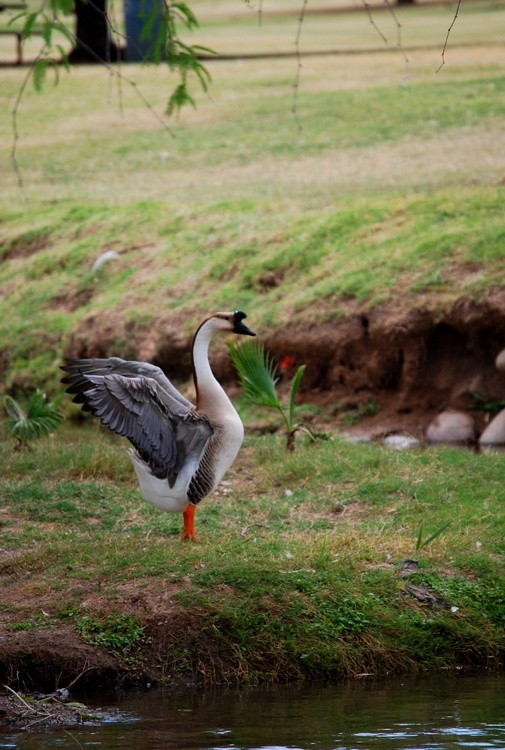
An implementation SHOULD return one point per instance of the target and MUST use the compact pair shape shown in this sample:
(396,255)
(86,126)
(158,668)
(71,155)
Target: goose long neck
(210,397)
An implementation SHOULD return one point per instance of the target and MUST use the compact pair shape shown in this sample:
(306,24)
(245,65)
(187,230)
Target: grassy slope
(217,260)
(386,191)
(203,254)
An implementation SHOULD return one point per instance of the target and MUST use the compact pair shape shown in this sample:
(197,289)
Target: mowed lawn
(365,123)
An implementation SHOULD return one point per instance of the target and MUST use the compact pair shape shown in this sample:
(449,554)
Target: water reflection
(427,714)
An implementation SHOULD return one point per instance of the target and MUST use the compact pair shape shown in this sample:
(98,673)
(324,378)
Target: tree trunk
(93,43)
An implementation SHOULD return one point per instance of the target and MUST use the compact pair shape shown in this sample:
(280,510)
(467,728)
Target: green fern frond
(39,419)
(256,372)
(258,377)
(13,409)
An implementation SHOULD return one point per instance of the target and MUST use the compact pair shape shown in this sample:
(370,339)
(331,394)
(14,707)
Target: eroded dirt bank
(413,362)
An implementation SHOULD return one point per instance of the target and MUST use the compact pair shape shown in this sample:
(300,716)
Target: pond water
(401,714)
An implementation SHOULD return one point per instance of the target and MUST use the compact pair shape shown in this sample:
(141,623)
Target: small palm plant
(258,377)
(38,419)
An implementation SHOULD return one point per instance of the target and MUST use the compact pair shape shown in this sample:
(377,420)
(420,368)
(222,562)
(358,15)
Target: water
(408,714)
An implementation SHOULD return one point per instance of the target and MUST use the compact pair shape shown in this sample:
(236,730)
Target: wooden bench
(16,33)
(19,42)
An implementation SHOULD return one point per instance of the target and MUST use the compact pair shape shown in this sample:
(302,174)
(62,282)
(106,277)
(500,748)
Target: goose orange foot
(188,531)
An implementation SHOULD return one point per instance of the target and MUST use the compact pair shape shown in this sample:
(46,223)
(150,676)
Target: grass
(364,250)
(306,580)
(392,189)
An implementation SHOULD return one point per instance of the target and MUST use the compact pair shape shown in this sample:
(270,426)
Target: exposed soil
(51,657)
(45,659)
(412,362)
(25,246)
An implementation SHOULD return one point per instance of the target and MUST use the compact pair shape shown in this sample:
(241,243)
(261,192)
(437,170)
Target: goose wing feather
(165,430)
(118,366)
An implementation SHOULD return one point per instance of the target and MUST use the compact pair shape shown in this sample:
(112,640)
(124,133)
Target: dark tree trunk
(93,43)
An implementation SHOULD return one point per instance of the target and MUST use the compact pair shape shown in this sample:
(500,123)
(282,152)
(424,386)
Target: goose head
(230,322)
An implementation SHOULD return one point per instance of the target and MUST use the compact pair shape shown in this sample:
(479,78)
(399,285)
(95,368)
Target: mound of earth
(42,658)
(411,362)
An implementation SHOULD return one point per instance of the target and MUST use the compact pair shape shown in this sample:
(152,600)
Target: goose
(181,451)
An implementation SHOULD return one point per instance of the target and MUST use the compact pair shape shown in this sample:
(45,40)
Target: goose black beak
(239,326)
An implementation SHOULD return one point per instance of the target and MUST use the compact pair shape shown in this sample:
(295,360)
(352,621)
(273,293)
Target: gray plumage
(181,451)
(136,400)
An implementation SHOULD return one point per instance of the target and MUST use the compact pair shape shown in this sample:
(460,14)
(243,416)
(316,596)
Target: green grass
(391,190)
(117,633)
(366,250)
(307,581)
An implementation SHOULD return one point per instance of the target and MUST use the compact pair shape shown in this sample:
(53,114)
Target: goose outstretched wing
(138,401)
(118,366)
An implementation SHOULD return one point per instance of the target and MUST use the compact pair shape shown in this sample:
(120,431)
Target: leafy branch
(182,57)
(51,16)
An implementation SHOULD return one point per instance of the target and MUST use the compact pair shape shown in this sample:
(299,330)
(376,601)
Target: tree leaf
(47,32)
(62,6)
(201,48)
(29,23)
(39,74)
(16,17)
(179,98)
(64,30)
(185,13)
(64,57)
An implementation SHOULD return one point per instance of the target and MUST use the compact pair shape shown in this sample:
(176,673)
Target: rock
(355,439)
(423,594)
(494,434)
(500,360)
(451,427)
(104,258)
(408,567)
(401,442)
